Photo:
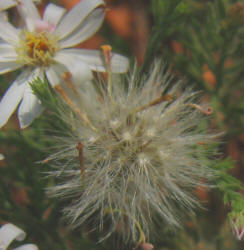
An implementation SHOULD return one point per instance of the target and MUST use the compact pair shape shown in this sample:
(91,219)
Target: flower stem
(81,159)
(74,107)
(163,98)
(208,111)
(67,76)
(106,49)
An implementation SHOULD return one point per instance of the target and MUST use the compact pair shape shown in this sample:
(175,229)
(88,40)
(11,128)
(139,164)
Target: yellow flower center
(37,48)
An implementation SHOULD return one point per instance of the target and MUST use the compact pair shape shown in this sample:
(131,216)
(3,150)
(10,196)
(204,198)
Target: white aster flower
(10,232)
(42,49)
(133,156)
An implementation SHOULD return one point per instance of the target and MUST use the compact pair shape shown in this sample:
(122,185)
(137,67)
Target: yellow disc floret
(37,48)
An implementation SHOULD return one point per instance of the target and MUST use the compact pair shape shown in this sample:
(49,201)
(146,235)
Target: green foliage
(228,186)
(211,37)
(167,16)
(50,101)
(44,93)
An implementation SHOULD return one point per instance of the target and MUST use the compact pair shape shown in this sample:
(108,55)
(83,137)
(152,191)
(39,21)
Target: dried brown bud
(146,246)
(236,14)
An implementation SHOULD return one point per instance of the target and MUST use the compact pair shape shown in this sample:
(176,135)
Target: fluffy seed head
(143,153)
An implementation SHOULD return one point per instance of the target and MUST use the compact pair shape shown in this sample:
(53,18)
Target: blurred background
(201,41)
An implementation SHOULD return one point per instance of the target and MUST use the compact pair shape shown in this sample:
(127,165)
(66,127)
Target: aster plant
(43,49)
(129,156)
(134,152)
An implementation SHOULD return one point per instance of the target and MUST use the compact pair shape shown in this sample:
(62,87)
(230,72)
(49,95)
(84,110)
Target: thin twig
(67,76)
(106,49)
(164,98)
(79,147)
(74,107)
(207,111)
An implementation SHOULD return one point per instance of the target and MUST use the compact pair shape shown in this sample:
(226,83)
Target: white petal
(53,14)
(95,60)
(8,32)
(8,233)
(29,13)
(54,74)
(28,8)
(7,50)
(76,16)
(8,66)
(5,4)
(30,107)
(12,98)
(80,70)
(85,30)
(27,247)
(4,16)
(7,54)
(1,158)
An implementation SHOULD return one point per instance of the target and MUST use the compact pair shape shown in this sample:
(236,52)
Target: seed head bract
(137,156)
